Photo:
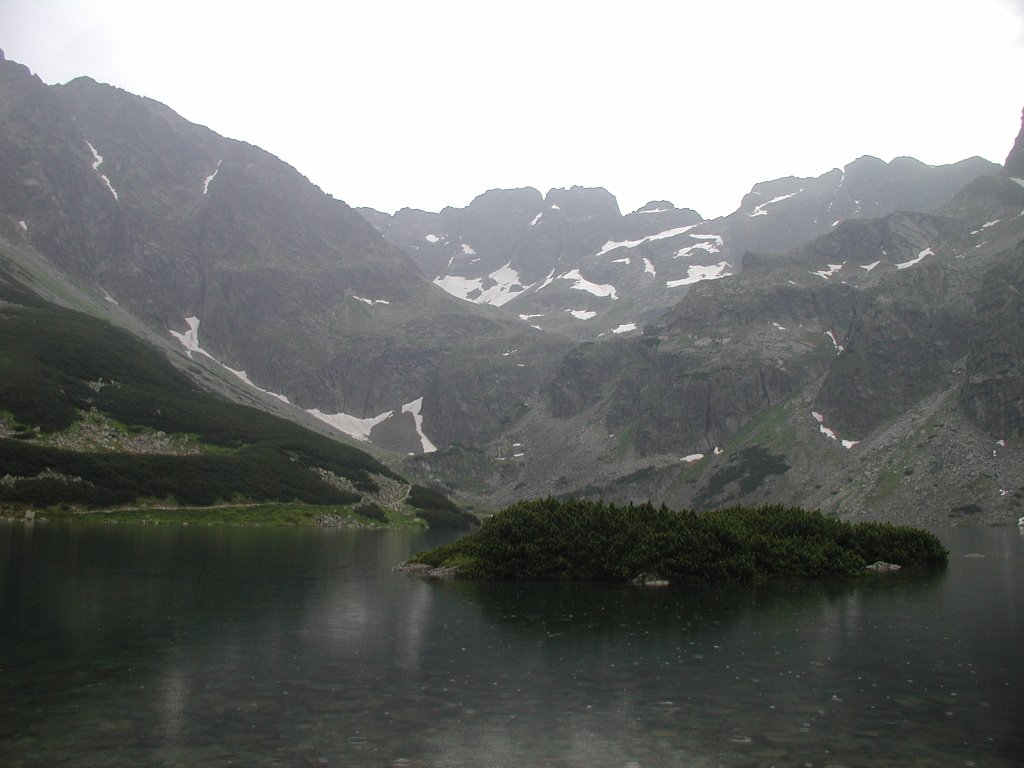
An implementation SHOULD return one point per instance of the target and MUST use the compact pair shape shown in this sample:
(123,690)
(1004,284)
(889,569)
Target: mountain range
(850,342)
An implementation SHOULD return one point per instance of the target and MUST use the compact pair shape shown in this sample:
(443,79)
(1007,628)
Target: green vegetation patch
(748,468)
(304,515)
(581,540)
(93,418)
(438,510)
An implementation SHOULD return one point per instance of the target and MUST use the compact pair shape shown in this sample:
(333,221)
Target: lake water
(159,646)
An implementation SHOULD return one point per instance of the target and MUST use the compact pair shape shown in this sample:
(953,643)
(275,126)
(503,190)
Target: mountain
(849,342)
(875,371)
(251,266)
(569,262)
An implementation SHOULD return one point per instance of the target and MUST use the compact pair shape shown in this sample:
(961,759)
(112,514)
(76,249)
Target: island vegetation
(583,540)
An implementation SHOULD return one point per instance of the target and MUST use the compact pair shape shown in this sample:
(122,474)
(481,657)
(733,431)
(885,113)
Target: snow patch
(621,261)
(530,317)
(780,327)
(97,162)
(831,433)
(581,314)
(414,408)
(211,177)
(468,250)
(245,377)
(760,209)
(536,219)
(711,245)
(190,338)
(692,458)
(505,286)
(432,239)
(611,245)
(554,207)
(353,426)
(827,273)
(548,280)
(839,347)
(111,299)
(653,210)
(920,256)
(23,225)
(580,283)
(624,328)
(649,267)
(695,273)
(371,302)
(869,267)
(1019,181)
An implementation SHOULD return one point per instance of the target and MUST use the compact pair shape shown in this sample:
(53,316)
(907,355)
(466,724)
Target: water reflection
(127,645)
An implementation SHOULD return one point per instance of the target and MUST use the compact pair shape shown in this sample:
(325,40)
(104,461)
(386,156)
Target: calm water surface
(155,646)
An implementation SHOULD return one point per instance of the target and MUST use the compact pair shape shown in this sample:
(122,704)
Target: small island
(579,540)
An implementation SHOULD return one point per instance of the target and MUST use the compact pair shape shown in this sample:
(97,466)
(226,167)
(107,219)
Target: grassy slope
(57,364)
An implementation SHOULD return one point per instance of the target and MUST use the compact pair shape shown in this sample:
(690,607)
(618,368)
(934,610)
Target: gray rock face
(993,395)
(573,265)
(1015,160)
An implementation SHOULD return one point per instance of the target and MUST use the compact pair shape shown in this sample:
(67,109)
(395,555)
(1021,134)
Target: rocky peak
(1014,164)
(583,202)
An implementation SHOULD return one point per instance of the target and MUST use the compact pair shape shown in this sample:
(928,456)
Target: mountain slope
(93,416)
(250,265)
(874,371)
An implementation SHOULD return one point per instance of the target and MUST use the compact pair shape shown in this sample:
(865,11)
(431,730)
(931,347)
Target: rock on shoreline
(426,571)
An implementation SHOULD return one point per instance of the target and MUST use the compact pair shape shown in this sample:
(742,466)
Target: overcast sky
(426,104)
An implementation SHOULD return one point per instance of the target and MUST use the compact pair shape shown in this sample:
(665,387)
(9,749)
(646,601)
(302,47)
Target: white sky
(428,103)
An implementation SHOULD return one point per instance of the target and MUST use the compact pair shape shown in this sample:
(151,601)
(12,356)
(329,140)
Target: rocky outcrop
(1014,164)
(880,566)
(993,395)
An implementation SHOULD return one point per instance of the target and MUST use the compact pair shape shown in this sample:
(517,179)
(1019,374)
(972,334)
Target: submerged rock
(650,580)
(426,571)
(881,566)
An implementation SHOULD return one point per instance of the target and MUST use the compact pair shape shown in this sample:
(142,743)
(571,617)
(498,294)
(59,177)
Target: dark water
(143,646)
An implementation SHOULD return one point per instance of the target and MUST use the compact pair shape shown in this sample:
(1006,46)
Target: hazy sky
(426,104)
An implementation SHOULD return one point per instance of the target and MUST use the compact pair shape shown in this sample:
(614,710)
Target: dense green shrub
(257,473)
(438,510)
(591,541)
(422,497)
(372,511)
(445,518)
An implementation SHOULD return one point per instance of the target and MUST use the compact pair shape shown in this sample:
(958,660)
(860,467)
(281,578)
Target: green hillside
(92,418)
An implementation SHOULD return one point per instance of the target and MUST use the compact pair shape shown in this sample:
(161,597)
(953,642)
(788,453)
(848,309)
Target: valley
(849,342)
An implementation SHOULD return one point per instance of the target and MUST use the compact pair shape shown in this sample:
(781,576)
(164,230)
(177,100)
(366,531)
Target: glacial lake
(128,645)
